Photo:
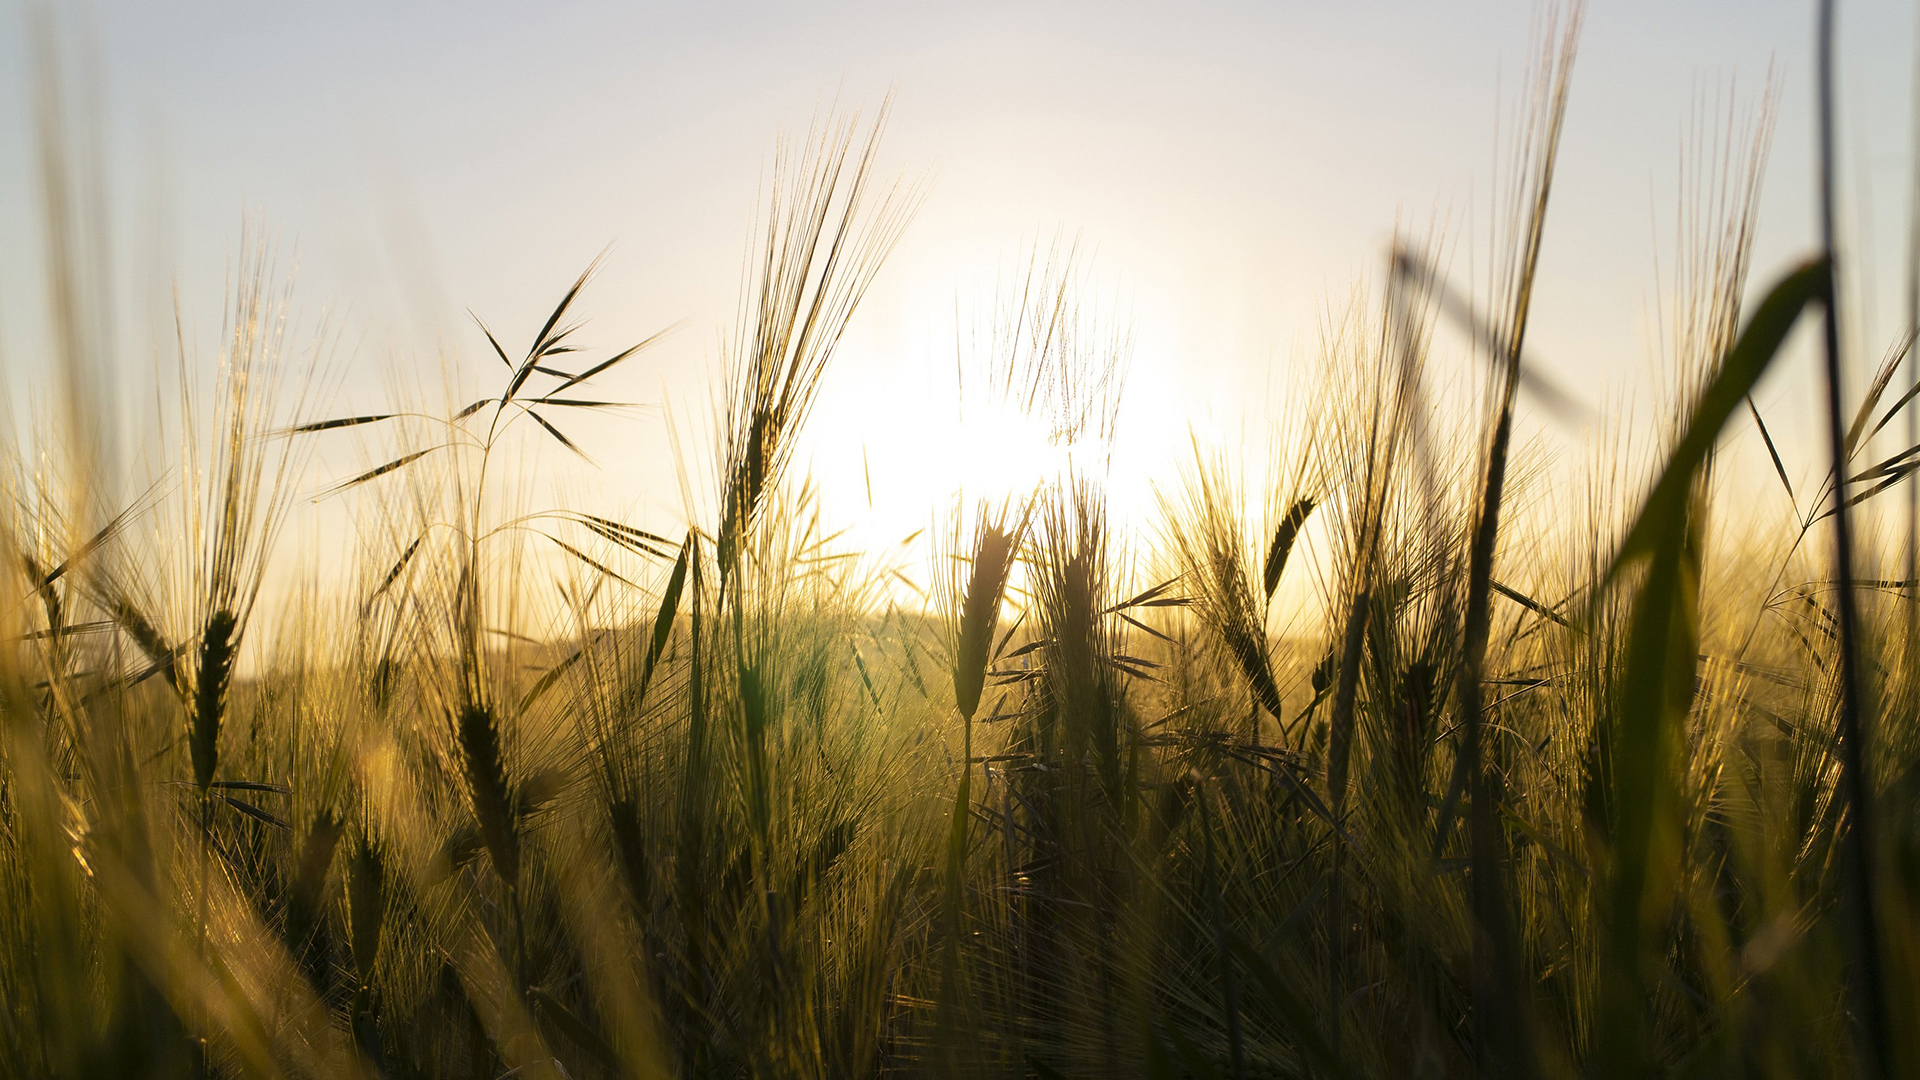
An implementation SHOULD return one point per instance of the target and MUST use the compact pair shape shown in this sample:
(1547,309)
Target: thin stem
(1913,361)
(206,845)
(1857,841)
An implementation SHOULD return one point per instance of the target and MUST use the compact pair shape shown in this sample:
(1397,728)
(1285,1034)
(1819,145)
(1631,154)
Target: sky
(1229,171)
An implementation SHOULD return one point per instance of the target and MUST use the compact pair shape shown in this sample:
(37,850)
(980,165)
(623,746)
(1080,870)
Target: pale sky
(1232,167)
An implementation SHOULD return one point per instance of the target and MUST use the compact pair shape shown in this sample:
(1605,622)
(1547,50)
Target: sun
(999,453)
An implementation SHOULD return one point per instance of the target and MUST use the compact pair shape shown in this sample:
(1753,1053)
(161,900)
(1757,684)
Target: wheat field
(1636,796)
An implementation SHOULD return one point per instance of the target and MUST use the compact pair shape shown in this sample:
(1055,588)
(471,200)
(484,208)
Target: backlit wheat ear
(1208,541)
(1503,1035)
(217,643)
(366,917)
(824,240)
(1283,538)
(993,551)
(366,906)
(478,734)
(1245,641)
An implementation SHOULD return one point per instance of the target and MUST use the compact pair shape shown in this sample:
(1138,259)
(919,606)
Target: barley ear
(1283,538)
(979,612)
(217,644)
(486,774)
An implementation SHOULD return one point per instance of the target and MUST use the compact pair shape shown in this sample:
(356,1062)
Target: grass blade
(548,678)
(1773,452)
(393,574)
(1858,850)
(604,365)
(556,433)
(255,813)
(1874,393)
(577,403)
(1529,603)
(493,341)
(663,620)
(375,473)
(1643,751)
(589,560)
(1759,342)
(343,422)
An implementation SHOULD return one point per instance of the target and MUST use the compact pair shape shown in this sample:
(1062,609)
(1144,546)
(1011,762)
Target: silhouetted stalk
(1340,745)
(974,614)
(1857,841)
(203,1059)
(1910,658)
(692,823)
(366,900)
(1217,910)
(1494,962)
(1500,994)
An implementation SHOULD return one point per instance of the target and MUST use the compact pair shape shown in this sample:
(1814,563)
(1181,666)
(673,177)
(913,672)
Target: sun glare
(912,469)
(1000,453)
